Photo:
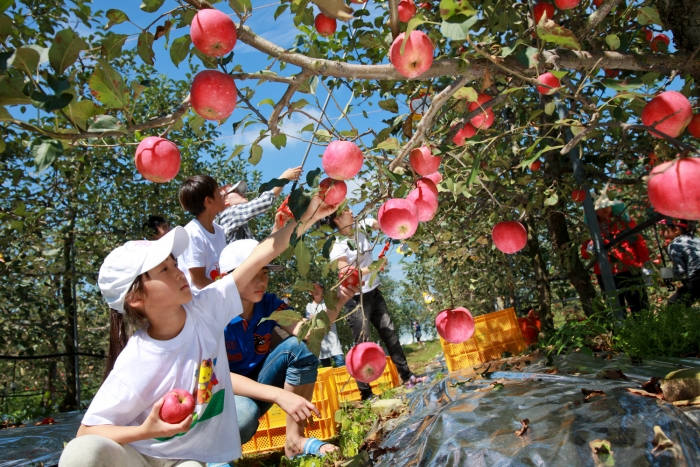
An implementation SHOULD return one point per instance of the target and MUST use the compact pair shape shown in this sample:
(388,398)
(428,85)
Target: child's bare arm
(153,427)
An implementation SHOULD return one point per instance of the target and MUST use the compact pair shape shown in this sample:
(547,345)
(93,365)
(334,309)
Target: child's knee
(92,451)
(248,413)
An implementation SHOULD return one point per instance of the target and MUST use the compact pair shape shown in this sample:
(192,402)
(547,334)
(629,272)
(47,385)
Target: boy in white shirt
(330,346)
(201,197)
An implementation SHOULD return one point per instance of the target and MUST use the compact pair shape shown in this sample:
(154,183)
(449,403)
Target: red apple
(213,32)
(332,192)
(566,4)
(398,218)
(366,362)
(407,10)
(213,95)
(648,34)
(551,84)
(612,73)
(598,3)
(157,159)
(673,112)
(674,190)
(426,203)
(349,276)
(456,325)
(325,26)
(417,56)
(466,132)
(428,183)
(426,6)
(661,38)
(535,166)
(578,195)
(694,126)
(435,177)
(342,160)
(485,119)
(541,9)
(423,162)
(509,236)
(178,404)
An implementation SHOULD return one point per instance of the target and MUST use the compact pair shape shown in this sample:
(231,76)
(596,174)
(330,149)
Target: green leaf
(648,15)
(323,135)
(115,17)
(26,59)
(650,77)
(111,45)
(236,151)
(208,62)
(5,4)
(552,200)
(4,115)
(65,49)
(284,317)
(450,8)
(151,6)
(624,85)
(303,286)
(179,49)
(45,151)
(11,91)
(326,251)
(613,41)
(256,152)
(107,85)
(551,32)
(413,23)
(528,57)
(549,107)
(298,202)
(466,93)
(280,9)
(313,177)
(144,47)
(267,101)
(137,87)
(389,144)
(49,103)
(389,105)
(309,86)
(303,256)
(240,6)
(458,31)
(80,112)
(100,123)
(309,127)
(198,125)
(274,183)
(300,104)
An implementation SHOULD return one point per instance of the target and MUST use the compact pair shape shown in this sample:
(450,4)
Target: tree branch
(599,15)
(263,77)
(284,101)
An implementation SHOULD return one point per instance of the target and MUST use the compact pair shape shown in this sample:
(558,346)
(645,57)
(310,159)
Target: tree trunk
(544,293)
(69,308)
(682,17)
(569,260)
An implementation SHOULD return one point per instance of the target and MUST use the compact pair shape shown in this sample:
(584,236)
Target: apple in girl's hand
(178,404)
(350,277)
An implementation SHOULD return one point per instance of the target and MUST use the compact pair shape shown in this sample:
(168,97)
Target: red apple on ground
(423,162)
(178,404)
(417,56)
(551,84)
(398,218)
(332,192)
(660,39)
(157,159)
(213,95)
(673,112)
(509,236)
(485,119)
(535,166)
(674,188)
(426,203)
(366,362)
(578,195)
(213,32)
(407,10)
(426,182)
(435,177)
(455,325)
(694,126)
(541,9)
(342,160)
(466,132)
(349,276)
(566,4)
(325,26)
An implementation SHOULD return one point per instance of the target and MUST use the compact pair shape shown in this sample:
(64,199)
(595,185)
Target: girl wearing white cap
(179,344)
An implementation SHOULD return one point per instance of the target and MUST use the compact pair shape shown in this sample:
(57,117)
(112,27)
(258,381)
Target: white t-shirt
(194,360)
(364,248)
(330,345)
(203,251)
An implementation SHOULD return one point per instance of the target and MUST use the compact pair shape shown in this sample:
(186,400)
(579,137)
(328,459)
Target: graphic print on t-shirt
(262,343)
(207,380)
(215,274)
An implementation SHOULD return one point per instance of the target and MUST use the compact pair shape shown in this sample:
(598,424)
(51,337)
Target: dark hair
(329,220)
(153,224)
(685,226)
(193,192)
(118,335)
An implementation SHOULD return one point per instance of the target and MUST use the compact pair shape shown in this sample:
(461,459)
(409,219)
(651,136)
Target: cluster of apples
(212,95)
(482,121)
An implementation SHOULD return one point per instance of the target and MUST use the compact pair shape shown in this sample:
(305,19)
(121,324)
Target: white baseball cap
(236,252)
(125,263)
(241,187)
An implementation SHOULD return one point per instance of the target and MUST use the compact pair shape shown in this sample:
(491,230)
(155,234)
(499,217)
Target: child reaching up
(179,344)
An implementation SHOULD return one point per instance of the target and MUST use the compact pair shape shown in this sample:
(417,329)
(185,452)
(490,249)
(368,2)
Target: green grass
(418,357)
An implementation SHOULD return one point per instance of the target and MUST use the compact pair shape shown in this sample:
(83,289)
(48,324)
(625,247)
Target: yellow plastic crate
(271,434)
(494,334)
(347,386)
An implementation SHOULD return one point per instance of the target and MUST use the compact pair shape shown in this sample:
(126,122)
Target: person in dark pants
(684,251)
(373,309)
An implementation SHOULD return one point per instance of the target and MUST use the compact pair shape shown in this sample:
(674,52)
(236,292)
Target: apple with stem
(157,159)
(178,404)
(366,362)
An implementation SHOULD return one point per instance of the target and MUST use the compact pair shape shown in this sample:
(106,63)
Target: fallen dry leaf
(525,423)
(552,371)
(591,393)
(602,448)
(611,374)
(684,403)
(660,441)
(486,81)
(642,392)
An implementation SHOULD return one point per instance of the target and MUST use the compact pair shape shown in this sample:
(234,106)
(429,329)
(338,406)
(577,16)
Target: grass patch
(418,357)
